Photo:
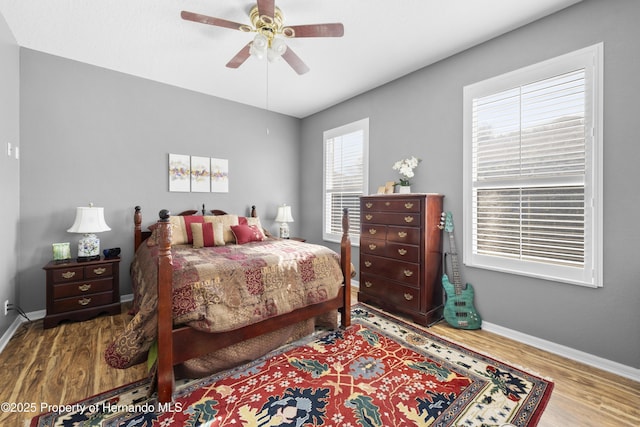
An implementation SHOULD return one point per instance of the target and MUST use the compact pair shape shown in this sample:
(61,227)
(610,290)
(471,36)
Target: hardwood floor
(64,364)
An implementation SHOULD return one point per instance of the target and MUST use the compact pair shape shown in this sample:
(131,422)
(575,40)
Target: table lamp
(283,217)
(89,220)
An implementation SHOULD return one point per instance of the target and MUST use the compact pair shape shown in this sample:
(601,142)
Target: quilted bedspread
(222,288)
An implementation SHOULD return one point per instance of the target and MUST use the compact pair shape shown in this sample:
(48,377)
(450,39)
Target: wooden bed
(179,344)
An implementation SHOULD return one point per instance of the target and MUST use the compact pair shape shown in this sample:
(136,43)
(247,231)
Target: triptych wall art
(198,174)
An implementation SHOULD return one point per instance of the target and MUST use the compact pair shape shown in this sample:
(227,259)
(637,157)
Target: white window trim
(362,125)
(592,275)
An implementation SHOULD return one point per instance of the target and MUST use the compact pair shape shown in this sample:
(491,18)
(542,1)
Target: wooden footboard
(176,345)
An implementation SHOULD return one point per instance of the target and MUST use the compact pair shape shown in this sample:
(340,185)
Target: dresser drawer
(403,252)
(373,246)
(68,274)
(395,205)
(81,302)
(404,235)
(373,231)
(82,288)
(394,293)
(404,272)
(391,218)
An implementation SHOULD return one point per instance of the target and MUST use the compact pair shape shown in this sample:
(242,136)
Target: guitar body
(459,310)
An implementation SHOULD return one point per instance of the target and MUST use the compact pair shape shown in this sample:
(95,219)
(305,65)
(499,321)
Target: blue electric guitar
(459,310)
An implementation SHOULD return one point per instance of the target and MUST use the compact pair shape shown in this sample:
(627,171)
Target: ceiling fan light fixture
(259,46)
(277,48)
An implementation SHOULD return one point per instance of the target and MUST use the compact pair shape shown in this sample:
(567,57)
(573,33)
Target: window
(345,178)
(532,170)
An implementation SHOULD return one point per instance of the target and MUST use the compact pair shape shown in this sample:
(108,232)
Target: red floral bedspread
(226,287)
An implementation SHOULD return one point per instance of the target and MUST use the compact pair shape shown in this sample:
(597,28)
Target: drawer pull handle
(402,251)
(408,296)
(373,247)
(68,274)
(85,287)
(369,217)
(408,205)
(372,231)
(408,219)
(367,263)
(408,273)
(99,270)
(369,205)
(368,284)
(402,234)
(84,301)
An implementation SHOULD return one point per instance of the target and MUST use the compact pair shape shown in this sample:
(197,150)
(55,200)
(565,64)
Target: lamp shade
(89,220)
(284,214)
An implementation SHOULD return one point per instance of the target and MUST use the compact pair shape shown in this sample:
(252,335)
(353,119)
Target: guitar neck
(457,283)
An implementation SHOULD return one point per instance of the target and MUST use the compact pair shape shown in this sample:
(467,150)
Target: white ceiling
(383,40)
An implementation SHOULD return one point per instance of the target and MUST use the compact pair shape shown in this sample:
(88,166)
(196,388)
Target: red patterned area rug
(379,372)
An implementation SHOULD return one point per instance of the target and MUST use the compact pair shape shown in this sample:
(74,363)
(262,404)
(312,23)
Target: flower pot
(404,189)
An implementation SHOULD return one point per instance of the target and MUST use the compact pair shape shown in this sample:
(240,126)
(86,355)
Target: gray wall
(9,170)
(421,115)
(94,135)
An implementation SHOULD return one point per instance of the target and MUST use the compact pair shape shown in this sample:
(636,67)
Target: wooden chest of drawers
(81,290)
(401,254)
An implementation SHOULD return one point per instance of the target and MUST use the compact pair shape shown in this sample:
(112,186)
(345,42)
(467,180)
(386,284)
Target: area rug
(379,372)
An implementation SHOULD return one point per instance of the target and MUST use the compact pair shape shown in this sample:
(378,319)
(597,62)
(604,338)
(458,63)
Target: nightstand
(81,290)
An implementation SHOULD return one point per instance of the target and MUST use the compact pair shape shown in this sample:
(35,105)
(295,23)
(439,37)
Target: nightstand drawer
(105,270)
(82,302)
(395,293)
(82,288)
(68,274)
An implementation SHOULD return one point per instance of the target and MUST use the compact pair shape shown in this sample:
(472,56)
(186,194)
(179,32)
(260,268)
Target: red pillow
(247,233)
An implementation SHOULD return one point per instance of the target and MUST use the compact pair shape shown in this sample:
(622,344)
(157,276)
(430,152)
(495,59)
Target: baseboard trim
(564,351)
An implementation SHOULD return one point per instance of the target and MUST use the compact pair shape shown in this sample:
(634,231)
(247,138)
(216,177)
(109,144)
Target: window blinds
(528,171)
(344,181)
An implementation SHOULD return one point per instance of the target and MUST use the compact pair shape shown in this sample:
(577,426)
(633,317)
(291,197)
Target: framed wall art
(219,175)
(200,174)
(179,172)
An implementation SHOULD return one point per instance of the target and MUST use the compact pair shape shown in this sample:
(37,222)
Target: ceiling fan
(268,22)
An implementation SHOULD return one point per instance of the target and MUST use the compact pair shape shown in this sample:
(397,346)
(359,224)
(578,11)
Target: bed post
(137,231)
(345,264)
(165,318)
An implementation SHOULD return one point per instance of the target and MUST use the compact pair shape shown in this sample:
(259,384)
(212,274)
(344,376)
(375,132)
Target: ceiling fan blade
(266,7)
(295,61)
(218,22)
(314,30)
(240,57)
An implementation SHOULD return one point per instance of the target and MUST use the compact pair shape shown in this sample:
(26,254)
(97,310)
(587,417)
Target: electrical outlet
(6,307)
(9,150)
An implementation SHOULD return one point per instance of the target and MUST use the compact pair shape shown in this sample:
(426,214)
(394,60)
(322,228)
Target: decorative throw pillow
(227,221)
(243,220)
(247,233)
(204,234)
(181,228)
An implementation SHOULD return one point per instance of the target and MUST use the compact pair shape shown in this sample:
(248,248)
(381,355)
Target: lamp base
(88,258)
(88,248)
